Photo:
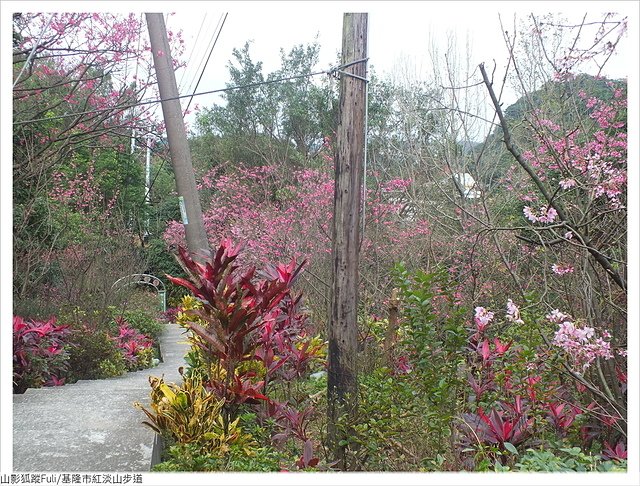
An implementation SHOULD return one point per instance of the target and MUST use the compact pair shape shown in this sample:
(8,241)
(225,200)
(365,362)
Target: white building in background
(468,185)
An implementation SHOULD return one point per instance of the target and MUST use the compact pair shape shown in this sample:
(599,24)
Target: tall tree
(76,77)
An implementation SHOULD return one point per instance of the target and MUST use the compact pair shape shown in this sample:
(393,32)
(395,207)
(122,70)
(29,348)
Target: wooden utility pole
(343,327)
(190,207)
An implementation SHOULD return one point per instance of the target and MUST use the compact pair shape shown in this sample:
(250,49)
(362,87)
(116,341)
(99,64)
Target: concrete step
(128,380)
(92,426)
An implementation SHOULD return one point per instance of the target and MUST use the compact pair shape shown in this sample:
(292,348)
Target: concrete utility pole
(190,207)
(343,328)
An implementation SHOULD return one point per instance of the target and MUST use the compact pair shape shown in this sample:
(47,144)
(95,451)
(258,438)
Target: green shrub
(397,426)
(258,459)
(93,355)
(566,459)
(112,367)
(141,321)
(189,457)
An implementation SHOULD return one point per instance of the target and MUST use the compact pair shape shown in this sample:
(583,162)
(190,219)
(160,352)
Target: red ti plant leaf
(479,388)
(39,353)
(286,274)
(517,408)
(608,420)
(562,418)
(501,429)
(293,422)
(19,325)
(267,355)
(479,429)
(208,337)
(55,381)
(54,349)
(588,433)
(299,358)
(307,459)
(617,453)
(531,382)
(622,379)
(485,351)
(501,348)
(241,390)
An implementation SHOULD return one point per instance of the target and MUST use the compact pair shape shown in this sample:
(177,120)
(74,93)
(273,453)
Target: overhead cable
(121,108)
(206,63)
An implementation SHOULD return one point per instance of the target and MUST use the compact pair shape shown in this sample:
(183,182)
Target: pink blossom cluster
(396,185)
(74,49)
(281,215)
(581,344)
(567,183)
(544,215)
(562,268)
(482,318)
(594,162)
(513,313)
(556,316)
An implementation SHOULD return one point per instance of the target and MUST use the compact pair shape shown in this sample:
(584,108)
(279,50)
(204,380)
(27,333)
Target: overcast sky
(400,33)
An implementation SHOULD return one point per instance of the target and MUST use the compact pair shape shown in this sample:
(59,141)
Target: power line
(203,56)
(192,49)
(206,63)
(331,71)
(33,50)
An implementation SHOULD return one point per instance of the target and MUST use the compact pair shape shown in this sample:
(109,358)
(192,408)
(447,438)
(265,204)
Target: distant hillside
(562,90)
(552,95)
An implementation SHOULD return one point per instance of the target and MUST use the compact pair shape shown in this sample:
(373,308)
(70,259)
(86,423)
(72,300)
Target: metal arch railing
(145,279)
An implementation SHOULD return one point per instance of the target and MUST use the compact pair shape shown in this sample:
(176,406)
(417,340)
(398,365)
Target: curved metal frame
(145,279)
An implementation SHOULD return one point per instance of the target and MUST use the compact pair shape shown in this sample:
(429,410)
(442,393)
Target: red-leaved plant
(248,316)
(39,354)
(131,344)
(616,453)
(505,423)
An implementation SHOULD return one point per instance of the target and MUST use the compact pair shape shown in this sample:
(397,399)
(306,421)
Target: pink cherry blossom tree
(78,79)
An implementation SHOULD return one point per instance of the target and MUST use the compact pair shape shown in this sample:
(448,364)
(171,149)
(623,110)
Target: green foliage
(108,368)
(393,427)
(264,122)
(406,408)
(188,458)
(435,334)
(189,414)
(142,322)
(260,459)
(433,321)
(562,460)
(161,262)
(94,354)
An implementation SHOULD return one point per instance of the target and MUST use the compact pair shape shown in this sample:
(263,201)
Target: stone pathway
(92,425)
